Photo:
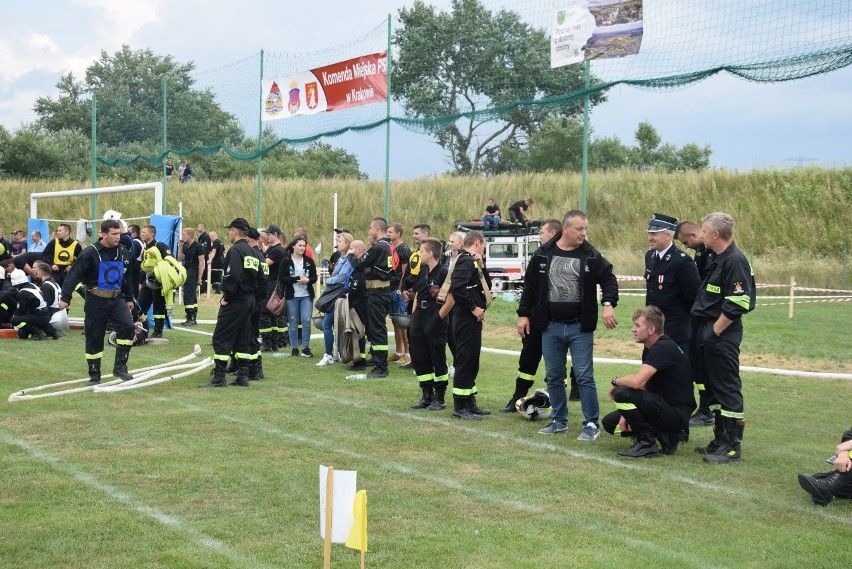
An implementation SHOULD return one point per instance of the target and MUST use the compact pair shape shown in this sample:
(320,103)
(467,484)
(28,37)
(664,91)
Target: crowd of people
(437,295)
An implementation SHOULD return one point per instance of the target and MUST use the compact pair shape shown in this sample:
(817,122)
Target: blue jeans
(491,221)
(299,312)
(556,342)
(397,304)
(328,331)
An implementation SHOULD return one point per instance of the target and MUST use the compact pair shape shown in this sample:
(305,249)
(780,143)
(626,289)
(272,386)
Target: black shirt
(673,378)
(191,252)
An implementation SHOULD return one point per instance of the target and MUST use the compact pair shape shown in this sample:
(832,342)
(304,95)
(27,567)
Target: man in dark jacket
(560,300)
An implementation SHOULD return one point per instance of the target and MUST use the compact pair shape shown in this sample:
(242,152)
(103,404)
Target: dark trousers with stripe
(378,304)
(427,342)
(101,312)
(233,330)
(719,359)
(645,412)
(468,333)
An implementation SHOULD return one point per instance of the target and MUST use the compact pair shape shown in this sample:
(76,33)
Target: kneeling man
(656,401)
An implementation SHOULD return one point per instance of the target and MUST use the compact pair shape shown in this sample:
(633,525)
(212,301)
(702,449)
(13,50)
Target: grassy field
(174,476)
(791,222)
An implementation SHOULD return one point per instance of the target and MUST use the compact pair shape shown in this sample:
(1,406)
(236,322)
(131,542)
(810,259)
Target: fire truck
(508,250)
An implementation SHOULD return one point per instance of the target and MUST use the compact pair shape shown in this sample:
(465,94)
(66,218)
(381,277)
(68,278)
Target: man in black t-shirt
(216,260)
(192,255)
(518,211)
(656,401)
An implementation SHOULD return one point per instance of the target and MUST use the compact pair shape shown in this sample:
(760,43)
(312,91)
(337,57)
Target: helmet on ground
(536,406)
(317,320)
(18,277)
(402,320)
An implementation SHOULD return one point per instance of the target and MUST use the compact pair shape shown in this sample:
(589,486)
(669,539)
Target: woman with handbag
(296,277)
(339,277)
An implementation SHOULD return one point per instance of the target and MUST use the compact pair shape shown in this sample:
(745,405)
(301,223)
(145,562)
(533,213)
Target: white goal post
(157,187)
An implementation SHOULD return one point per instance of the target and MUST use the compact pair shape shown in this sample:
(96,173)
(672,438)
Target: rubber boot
(158,328)
(232,366)
(644,446)
(731,449)
(119,368)
(381,364)
(426,398)
(703,416)
(574,394)
(242,374)
(94,371)
(268,342)
(461,408)
(476,409)
(522,387)
(718,435)
(437,403)
(821,487)
(191,317)
(260,374)
(217,378)
(254,370)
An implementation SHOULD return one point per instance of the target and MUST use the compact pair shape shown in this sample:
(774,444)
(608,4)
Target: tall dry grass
(791,222)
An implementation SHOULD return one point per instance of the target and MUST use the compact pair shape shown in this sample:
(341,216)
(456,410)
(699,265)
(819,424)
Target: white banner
(595,29)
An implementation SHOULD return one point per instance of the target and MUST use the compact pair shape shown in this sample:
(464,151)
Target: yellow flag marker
(358,534)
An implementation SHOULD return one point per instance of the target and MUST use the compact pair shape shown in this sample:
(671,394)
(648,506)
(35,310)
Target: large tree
(456,64)
(128,87)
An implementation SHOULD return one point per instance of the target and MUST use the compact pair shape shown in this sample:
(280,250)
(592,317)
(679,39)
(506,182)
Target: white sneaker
(326,360)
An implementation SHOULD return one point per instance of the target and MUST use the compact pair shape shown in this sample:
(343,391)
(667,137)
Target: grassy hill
(791,222)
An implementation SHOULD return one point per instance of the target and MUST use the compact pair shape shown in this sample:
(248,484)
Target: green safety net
(683,42)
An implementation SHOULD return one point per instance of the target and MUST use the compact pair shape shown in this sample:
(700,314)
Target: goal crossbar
(157,187)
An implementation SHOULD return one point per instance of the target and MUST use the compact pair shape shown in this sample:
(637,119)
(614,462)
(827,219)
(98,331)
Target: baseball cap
(342,230)
(253,233)
(273,229)
(660,222)
(239,223)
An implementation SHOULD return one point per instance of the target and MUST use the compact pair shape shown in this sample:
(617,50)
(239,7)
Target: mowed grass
(174,476)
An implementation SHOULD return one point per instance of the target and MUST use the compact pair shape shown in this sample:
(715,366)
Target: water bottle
(357,376)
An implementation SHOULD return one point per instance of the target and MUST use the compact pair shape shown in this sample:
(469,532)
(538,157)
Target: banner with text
(595,29)
(343,85)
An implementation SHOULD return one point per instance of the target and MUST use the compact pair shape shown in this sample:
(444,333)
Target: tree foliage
(470,60)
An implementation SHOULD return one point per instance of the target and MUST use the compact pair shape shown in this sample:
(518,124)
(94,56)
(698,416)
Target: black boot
(821,487)
(461,408)
(574,394)
(190,317)
(718,435)
(242,374)
(158,328)
(644,446)
(268,342)
(476,409)
(381,364)
(703,415)
(731,448)
(232,366)
(94,371)
(426,398)
(522,387)
(254,370)
(119,368)
(260,374)
(438,398)
(217,378)
(670,440)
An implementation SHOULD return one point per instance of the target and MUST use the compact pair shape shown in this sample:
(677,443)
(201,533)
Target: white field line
(175,524)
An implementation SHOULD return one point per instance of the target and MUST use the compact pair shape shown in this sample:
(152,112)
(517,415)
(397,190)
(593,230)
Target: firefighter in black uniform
(356,293)
(530,356)
(61,252)
(151,293)
(726,293)
(671,279)
(255,370)
(233,324)
(271,326)
(690,235)
(102,269)
(192,255)
(471,294)
(421,233)
(31,318)
(427,333)
(377,265)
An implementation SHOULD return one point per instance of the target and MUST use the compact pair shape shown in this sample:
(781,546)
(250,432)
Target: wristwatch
(606,303)
(613,383)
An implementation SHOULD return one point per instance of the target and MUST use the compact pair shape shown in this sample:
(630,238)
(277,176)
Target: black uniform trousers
(468,333)
(190,291)
(530,357)
(149,297)
(646,412)
(268,321)
(719,360)
(427,343)
(233,330)
(378,304)
(101,312)
(25,324)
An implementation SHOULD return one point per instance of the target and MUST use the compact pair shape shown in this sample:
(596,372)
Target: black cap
(342,230)
(660,222)
(273,229)
(239,223)
(253,233)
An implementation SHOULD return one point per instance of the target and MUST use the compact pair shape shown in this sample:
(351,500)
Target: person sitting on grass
(824,487)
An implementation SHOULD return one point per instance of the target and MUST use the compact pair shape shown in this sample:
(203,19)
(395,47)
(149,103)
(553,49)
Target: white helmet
(18,277)
(59,320)
(536,406)
(111,214)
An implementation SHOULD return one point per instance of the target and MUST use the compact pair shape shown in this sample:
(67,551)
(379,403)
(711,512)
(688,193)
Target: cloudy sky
(748,125)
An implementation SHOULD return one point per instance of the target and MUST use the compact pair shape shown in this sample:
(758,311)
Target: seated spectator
(491,217)
(824,487)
